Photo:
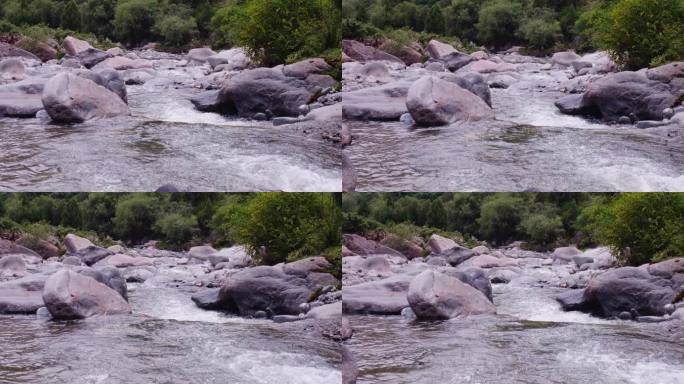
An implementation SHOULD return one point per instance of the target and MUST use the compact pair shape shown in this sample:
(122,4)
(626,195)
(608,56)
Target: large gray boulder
(362,53)
(383,103)
(234,257)
(565,58)
(625,94)
(628,289)
(12,265)
(362,246)
(230,60)
(69,296)
(68,98)
(92,56)
(432,101)
(91,254)
(22,99)
(437,49)
(440,244)
(73,46)
(456,60)
(201,252)
(199,55)
(433,295)
(381,297)
(268,289)
(265,90)
(74,243)
(22,296)
(473,82)
(113,81)
(305,68)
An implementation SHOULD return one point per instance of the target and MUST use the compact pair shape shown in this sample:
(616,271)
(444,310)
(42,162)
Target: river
(167,340)
(529,146)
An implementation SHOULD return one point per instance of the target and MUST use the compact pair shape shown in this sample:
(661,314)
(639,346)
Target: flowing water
(530,340)
(165,141)
(167,340)
(530,145)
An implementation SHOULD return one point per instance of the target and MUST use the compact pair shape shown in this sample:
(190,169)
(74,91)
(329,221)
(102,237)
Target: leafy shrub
(540,30)
(499,217)
(7,28)
(288,226)
(639,33)
(71,16)
(176,31)
(279,31)
(133,20)
(498,22)
(176,228)
(650,225)
(135,216)
(542,229)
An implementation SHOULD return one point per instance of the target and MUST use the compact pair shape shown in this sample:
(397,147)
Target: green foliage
(639,33)
(177,228)
(641,227)
(7,28)
(542,229)
(135,215)
(498,22)
(278,227)
(541,30)
(434,20)
(71,16)
(279,31)
(133,20)
(499,217)
(176,31)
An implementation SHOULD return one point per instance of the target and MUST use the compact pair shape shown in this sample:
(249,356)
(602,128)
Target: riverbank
(490,312)
(142,116)
(507,125)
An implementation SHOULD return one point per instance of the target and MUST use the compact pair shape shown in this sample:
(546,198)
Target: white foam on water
(627,367)
(95,379)
(641,177)
(265,367)
(535,304)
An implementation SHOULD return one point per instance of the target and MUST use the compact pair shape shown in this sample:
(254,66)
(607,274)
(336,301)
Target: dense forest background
(650,224)
(638,32)
(289,225)
(274,31)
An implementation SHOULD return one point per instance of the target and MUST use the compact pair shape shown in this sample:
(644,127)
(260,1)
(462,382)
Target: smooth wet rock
(7,50)
(123,261)
(21,99)
(457,255)
(91,57)
(236,257)
(629,289)
(381,297)
(440,244)
(565,254)
(572,300)
(113,278)
(265,289)
(201,252)
(122,63)
(572,105)
(91,254)
(70,296)
(624,93)
(433,101)
(433,295)
(12,265)
(362,246)
(362,53)
(327,311)
(456,60)
(68,98)
(74,243)
(305,68)
(266,90)
(382,103)
(230,60)
(208,299)
(475,277)
(200,55)
(437,49)
(74,46)
(564,58)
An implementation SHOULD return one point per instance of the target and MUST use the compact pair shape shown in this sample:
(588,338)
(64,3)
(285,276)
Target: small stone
(259,315)
(407,119)
(625,316)
(304,109)
(408,314)
(669,308)
(43,314)
(624,120)
(304,307)
(668,113)
(260,116)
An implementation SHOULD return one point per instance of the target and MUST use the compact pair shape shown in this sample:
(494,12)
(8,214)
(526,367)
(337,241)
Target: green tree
(498,22)
(135,216)
(434,20)
(500,215)
(176,228)
(133,20)
(71,16)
